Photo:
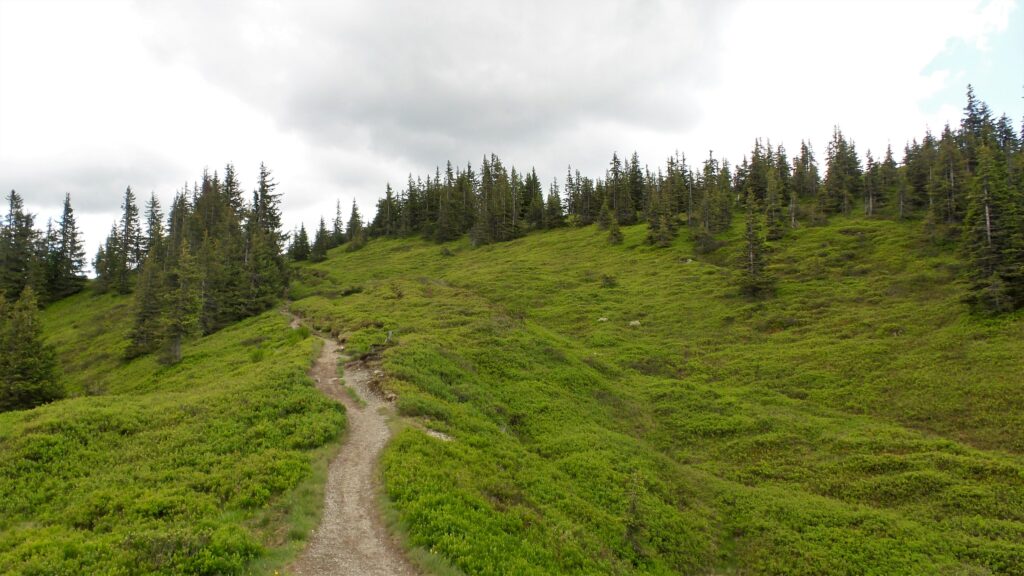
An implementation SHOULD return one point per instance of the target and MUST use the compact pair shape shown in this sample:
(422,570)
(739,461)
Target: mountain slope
(623,409)
(211,466)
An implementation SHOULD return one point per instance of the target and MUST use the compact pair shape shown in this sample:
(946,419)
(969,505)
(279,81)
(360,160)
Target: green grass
(859,422)
(213,466)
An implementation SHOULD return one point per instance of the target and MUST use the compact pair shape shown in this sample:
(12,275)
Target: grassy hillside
(620,409)
(208,467)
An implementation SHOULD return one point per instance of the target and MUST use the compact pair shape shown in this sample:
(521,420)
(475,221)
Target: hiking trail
(351,537)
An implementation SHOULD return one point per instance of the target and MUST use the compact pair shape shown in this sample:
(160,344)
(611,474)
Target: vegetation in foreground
(625,409)
(206,467)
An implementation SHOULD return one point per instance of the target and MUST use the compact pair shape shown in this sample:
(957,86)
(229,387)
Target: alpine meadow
(804,359)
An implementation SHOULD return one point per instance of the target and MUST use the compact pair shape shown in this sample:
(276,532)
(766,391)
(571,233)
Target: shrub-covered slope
(621,409)
(211,466)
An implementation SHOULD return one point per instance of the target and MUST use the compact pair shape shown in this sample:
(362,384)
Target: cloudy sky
(339,98)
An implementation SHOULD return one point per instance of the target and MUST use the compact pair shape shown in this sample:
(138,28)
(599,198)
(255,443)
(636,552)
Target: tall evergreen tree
(147,331)
(300,245)
(554,217)
(184,304)
(264,262)
(755,280)
(338,226)
(19,264)
(993,238)
(67,256)
(321,242)
(774,226)
(28,365)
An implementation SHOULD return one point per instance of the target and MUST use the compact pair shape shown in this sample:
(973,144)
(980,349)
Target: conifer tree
(66,256)
(554,217)
(19,264)
(338,224)
(890,182)
(321,242)
(993,238)
(264,263)
(534,203)
(614,233)
(755,280)
(154,238)
(634,185)
(605,216)
(354,232)
(300,249)
(147,332)
(184,304)
(945,189)
(28,366)
(123,251)
(619,193)
(774,227)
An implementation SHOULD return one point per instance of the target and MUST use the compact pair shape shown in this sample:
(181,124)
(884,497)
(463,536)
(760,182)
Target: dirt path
(351,538)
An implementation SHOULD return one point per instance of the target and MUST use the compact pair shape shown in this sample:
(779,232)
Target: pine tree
(354,231)
(448,218)
(605,217)
(945,190)
(774,226)
(660,219)
(300,249)
(534,202)
(993,238)
(614,233)
(618,190)
(337,236)
(67,256)
(554,217)
(28,366)
(184,304)
(635,188)
(321,242)
(264,263)
(150,299)
(125,253)
(755,280)
(19,264)
(890,182)
(843,179)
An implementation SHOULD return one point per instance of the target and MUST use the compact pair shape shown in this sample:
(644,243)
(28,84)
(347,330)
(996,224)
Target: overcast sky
(338,98)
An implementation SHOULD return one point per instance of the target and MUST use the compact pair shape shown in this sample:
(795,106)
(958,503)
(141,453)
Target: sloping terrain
(620,409)
(212,466)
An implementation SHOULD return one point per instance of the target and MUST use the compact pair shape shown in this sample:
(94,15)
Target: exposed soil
(352,538)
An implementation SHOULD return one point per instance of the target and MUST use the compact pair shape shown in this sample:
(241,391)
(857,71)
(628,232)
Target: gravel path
(351,538)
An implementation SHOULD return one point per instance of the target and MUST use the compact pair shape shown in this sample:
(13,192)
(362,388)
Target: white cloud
(339,98)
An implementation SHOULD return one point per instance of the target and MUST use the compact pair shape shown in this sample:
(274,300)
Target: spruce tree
(554,217)
(264,263)
(300,249)
(68,256)
(147,332)
(755,280)
(354,231)
(338,226)
(993,238)
(184,304)
(28,366)
(321,242)
(19,262)
(614,233)
(125,252)
(448,218)
(605,216)
(774,226)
